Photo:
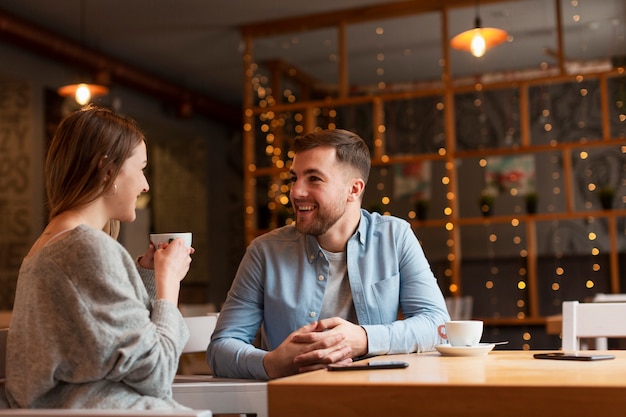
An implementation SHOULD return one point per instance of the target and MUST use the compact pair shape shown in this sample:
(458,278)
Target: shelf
(455,114)
(512,321)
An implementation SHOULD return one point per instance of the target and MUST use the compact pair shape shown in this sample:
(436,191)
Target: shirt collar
(314,250)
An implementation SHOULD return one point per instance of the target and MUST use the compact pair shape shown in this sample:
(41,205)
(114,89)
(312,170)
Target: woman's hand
(171,263)
(146,260)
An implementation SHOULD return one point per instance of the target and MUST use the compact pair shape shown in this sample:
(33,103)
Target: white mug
(461,332)
(157,238)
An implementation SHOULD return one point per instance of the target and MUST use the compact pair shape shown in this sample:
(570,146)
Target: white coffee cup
(461,332)
(157,238)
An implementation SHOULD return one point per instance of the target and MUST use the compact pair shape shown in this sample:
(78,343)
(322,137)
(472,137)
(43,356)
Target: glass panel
(296,67)
(414,126)
(583,237)
(493,240)
(487,119)
(275,133)
(394,54)
(273,206)
(550,183)
(570,278)
(599,178)
(573,261)
(356,118)
(519,58)
(593,35)
(397,189)
(617,106)
(565,112)
(503,183)
(494,269)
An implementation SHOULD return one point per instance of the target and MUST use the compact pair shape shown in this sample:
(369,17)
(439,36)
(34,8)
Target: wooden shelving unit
(447,89)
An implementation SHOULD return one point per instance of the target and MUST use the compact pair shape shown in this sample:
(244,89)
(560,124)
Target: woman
(91,327)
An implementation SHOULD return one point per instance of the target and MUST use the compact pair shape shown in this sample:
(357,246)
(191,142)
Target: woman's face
(130,182)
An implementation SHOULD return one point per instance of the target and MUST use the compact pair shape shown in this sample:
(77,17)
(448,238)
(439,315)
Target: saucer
(480,349)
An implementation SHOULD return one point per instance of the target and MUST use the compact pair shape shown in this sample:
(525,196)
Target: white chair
(221,395)
(193,310)
(103,413)
(200,329)
(460,308)
(592,320)
(609,298)
(4,333)
(3,359)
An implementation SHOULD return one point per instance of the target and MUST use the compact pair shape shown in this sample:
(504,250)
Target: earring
(113,193)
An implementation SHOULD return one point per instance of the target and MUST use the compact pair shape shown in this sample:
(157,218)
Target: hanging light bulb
(83,92)
(478,45)
(83,95)
(478,39)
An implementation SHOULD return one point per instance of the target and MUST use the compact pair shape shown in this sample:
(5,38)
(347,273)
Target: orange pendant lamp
(82,92)
(479,39)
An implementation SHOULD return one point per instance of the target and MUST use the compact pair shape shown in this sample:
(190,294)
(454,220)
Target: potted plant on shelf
(531,199)
(606,195)
(485,202)
(421,208)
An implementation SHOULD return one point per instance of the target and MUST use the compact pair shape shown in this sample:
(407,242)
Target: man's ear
(356,189)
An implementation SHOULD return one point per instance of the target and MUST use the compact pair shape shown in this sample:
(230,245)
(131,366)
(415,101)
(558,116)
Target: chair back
(4,333)
(592,320)
(94,412)
(3,360)
(222,395)
(200,328)
(460,308)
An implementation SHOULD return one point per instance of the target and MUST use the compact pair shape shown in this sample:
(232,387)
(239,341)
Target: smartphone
(573,356)
(367,366)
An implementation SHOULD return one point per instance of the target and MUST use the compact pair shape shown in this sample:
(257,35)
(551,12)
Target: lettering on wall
(16,182)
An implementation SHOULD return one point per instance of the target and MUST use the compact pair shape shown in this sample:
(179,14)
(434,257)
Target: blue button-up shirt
(281,281)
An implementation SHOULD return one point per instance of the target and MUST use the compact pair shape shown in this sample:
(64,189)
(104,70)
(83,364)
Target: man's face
(319,190)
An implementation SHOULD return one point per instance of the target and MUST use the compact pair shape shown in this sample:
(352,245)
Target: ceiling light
(82,92)
(478,39)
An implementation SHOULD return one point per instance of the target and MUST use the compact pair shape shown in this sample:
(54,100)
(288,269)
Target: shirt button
(312,257)
(312,314)
(320,278)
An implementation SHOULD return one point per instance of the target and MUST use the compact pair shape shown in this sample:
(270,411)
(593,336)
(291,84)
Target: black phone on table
(573,356)
(367,366)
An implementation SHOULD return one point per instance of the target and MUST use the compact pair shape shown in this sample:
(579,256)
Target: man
(328,289)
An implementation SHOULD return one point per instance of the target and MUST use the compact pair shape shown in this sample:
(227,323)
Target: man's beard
(321,222)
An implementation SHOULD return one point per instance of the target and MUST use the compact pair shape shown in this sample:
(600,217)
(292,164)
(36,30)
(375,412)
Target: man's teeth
(305,208)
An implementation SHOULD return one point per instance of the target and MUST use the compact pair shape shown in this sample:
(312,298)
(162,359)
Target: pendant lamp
(478,39)
(82,92)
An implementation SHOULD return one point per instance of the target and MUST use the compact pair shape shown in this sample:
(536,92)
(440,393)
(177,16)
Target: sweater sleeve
(147,276)
(148,339)
(104,326)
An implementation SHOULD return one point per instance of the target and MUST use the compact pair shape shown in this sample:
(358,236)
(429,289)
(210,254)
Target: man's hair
(351,149)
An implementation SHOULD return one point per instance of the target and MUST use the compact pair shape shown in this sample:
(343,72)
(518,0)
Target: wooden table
(502,383)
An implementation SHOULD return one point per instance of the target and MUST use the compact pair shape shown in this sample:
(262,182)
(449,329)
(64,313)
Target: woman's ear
(102,164)
(102,161)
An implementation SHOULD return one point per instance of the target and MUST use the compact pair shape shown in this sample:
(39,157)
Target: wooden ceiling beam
(355,15)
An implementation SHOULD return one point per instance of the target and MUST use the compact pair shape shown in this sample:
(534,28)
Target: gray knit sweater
(86,332)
